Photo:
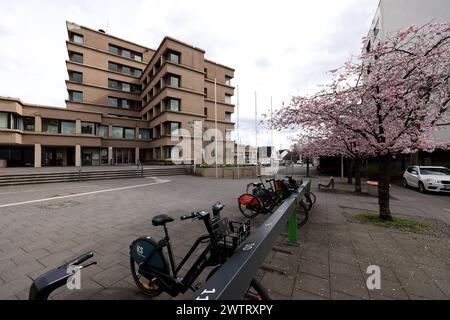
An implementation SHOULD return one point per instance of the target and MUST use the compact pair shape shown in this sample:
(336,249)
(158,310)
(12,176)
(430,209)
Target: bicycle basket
(230,234)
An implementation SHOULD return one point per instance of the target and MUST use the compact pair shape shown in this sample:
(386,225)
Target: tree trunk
(383,187)
(307,167)
(357,168)
(349,171)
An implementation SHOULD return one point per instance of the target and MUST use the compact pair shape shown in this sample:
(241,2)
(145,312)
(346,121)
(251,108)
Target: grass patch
(396,223)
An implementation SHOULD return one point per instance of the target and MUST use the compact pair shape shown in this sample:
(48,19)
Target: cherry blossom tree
(384,103)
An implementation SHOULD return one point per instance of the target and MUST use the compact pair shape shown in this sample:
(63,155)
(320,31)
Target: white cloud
(278,48)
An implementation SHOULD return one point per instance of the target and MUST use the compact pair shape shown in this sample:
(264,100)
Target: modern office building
(126,102)
(394,15)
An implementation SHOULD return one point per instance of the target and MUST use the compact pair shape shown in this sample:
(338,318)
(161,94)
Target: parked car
(300,162)
(427,178)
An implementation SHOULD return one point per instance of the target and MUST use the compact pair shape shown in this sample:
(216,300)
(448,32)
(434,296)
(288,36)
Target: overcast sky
(278,48)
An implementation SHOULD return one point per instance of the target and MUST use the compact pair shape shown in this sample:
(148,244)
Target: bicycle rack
(233,278)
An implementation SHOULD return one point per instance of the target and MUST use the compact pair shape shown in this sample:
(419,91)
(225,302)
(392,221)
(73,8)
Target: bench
(330,184)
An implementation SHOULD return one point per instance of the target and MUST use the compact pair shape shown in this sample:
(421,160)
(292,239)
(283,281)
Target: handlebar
(189,216)
(81,259)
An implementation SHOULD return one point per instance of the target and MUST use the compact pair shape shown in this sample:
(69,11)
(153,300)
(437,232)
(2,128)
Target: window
(173,81)
(129,133)
(68,127)
(75,57)
(76,96)
(103,131)
(126,70)
(138,57)
(76,76)
(228,135)
(206,72)
(173,104)
(227,98)
(126,54)
(144,134)
(87,127)
(205,91)
(173,57)
(205,111)
(228,80)
(113,49)
(4,120)
(113,66)
(172,128)
(126,87)
(77,38)
(113,84)
(167,152)
(117,132)
(50,126)
(112,102)
(28,123)
(138,73)
(228,116)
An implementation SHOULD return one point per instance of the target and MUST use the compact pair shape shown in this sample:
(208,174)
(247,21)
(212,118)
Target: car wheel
(421,187)
(405,183)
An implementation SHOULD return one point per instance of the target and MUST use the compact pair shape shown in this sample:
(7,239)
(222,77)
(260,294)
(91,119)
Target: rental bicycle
(153,274)
(261,199)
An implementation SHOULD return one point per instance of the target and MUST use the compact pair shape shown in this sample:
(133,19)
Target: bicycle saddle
(161,220)
(269,180)
(257,184)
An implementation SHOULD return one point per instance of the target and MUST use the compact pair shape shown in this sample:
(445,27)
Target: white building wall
(394,15)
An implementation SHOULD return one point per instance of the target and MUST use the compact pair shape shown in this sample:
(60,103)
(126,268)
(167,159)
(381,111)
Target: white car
(427,178)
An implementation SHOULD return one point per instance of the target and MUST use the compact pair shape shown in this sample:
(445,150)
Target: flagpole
(215,120)
(237,112)
(256,128)
(271,131)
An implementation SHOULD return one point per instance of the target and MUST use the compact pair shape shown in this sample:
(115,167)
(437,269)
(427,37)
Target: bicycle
(153,274)
(259,200)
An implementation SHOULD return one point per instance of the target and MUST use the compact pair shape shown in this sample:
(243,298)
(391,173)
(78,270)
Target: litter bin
(372,188)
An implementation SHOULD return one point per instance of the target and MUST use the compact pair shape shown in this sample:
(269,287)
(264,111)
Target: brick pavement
(330,263)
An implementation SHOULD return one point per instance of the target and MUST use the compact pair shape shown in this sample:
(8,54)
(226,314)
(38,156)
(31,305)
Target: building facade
(392,16)
(126,103)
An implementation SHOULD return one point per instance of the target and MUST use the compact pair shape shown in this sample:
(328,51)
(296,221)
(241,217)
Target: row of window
(170,55)
(124,103)
(10,120)
(120,68)
(124,86)
(125,53)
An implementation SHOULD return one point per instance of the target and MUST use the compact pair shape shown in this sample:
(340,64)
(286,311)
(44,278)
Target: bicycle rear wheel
(249,205)
(313,198)
(149,287)
(302,213)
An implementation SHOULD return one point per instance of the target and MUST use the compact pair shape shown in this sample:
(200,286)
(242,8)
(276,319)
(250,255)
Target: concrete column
(110,155)
(37,123)
(110,131)
(136,155)
(77,155)
(136,133)
(37,155)
(78,126)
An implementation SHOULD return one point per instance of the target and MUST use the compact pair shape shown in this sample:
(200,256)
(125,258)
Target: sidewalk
(334,253)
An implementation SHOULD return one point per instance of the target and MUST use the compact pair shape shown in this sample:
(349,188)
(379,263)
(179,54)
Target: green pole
(292,233)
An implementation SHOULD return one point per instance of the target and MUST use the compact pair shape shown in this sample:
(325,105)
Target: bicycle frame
(170,282)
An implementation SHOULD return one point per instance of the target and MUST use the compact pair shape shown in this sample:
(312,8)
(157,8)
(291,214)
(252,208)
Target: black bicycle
(154,275)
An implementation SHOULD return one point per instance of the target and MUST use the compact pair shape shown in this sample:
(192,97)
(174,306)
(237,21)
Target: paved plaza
(41,226)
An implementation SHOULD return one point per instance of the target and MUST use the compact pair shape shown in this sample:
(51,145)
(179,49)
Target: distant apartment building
(126,103)
(394,15)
